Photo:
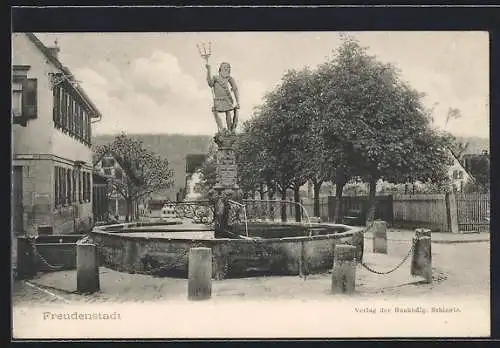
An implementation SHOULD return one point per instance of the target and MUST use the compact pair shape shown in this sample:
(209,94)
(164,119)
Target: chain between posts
(37,253)
(412,248)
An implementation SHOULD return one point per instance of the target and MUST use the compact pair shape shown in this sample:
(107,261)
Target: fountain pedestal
(226,187)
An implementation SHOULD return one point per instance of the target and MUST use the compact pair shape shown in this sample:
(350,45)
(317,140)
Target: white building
(51,142)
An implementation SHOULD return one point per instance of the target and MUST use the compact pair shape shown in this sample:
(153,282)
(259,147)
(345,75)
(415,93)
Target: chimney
(54,50)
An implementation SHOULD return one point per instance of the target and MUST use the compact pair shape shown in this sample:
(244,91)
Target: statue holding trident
(222,85)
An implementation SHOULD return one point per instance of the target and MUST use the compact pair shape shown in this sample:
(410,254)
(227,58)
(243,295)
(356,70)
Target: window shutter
(55,106)
(56,188)
(29,98)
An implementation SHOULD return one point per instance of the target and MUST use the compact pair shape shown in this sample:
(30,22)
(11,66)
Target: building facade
(51,143)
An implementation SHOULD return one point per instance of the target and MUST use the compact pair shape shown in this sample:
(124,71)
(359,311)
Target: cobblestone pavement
(458,269)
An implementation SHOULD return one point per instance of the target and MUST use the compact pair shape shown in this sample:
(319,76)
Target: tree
(146,172)
(381,123)
(480,170)
(209,172)
(279,131)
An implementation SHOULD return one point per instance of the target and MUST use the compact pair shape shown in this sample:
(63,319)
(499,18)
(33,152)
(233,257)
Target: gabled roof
(45,50)
(126,168)
(460,164)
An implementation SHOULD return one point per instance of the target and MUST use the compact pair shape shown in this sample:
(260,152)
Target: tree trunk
(298,208)
(283,205)
(270,196)
(261,192)
(339,187)
(316,189)
(128,213)
(370,209)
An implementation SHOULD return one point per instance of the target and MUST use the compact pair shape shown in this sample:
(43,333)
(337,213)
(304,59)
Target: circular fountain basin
(260,248)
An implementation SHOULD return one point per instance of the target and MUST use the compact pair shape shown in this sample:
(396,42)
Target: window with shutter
(80,120)
(63,109)
(29,98)
(80,187)
(56,186)
(84,186)
(90,187)
(73,178)
(70,114)
(62,187)
(89,130)
(64,195)
(84,129)
(56,92)
(77,120)
(69,182)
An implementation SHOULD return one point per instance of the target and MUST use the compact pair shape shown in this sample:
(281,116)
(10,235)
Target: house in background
(51,142)
(193,176)
(111,168)
(458,174)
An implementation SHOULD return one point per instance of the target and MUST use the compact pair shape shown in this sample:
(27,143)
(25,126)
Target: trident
(204,53)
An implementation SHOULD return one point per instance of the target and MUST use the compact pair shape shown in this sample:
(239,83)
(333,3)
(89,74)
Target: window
(73,179)
(118,174)
(64,109)
(24,95)
(56,93)
(108,162)
(84,129)
(80,186)
(107,171)
(71,115)
(64,196)
(77,120)
(56,186)
(69,181)
(69,112)
(17,93)
(87,190)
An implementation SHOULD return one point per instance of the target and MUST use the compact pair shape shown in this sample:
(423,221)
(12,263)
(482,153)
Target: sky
(155,82)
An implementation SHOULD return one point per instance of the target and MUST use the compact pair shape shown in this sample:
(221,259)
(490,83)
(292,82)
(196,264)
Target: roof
(126,168)
(46,51)
(460,164)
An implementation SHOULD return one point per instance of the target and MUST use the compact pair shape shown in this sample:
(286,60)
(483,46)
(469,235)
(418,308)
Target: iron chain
(37,253)
(395,268)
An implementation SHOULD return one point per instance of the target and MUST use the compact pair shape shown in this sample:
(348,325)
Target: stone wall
(231,257)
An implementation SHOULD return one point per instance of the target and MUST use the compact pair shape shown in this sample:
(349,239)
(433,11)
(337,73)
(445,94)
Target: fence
(473,211)
(440,212)
(323,207)
(359,204)
(273,210)
(421,210)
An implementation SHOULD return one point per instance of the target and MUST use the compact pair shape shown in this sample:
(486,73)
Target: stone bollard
(87,268)
(200,274)
(379,229)
(344,269)
(421,263)
(26,267)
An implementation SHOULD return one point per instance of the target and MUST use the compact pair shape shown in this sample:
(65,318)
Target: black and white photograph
(245,184)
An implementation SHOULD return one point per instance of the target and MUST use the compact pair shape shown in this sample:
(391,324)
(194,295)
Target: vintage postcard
(250,185)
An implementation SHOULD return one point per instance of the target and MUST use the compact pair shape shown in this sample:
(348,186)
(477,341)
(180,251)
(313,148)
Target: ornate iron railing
(197,211)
